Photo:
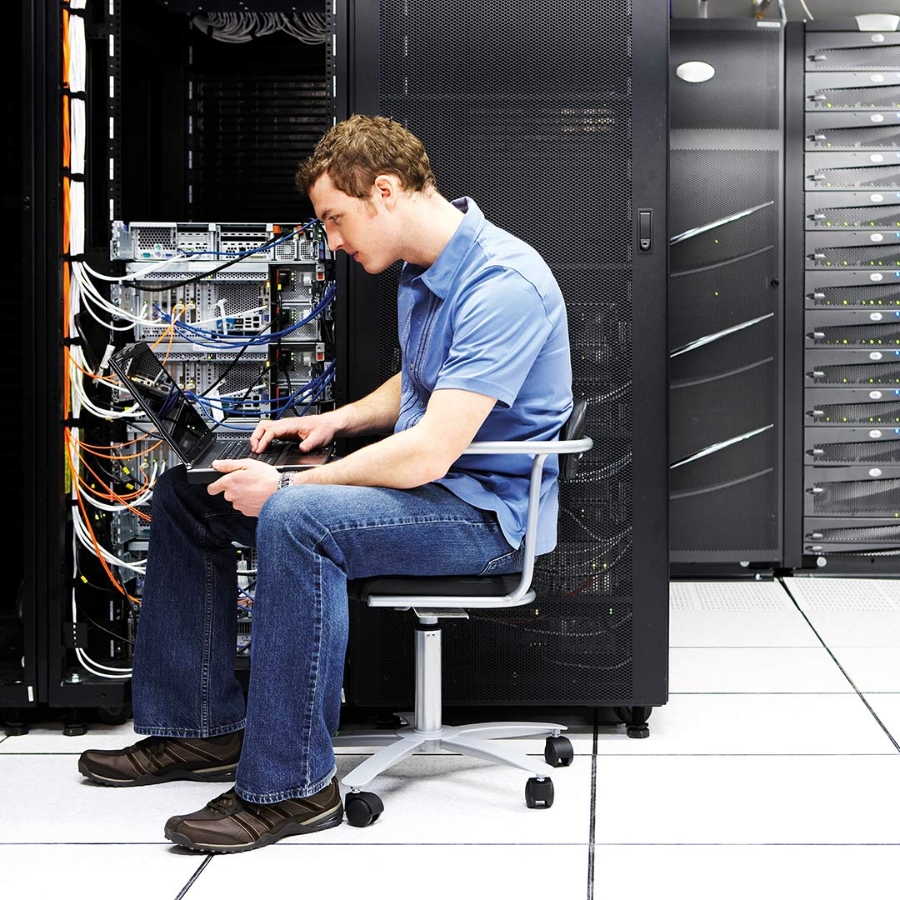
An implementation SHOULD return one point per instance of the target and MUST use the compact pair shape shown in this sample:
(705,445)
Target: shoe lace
(226,803)
(151,746)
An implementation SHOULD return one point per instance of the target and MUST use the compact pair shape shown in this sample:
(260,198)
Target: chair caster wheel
(558,752)
(539,793)
(362,808)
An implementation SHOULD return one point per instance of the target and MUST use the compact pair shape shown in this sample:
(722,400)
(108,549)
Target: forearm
(397,461)
(376,413)
(416,456)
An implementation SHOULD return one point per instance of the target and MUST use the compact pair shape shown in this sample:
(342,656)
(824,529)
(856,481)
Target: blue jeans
(310,540)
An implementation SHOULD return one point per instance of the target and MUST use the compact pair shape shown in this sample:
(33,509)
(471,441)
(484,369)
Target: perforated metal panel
(844,296)
(747,65)
(876,373)
(848,52)
(825,216)
(527,107)
(496,117)
(854,98)
(825,138)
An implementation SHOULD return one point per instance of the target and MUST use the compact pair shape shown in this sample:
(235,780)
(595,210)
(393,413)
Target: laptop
(185,430)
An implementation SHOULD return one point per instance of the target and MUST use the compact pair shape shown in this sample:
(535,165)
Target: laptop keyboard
(241,450)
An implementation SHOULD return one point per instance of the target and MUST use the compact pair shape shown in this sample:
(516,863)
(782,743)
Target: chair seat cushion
(435,586)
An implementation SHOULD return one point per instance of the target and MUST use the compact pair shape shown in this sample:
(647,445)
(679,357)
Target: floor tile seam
(197,873)
(318,843)
(592,822)
(733,693)
(824,693)
(806,754)
(894,646)
(867,647)
(756,647)
(830,844)
(838,664)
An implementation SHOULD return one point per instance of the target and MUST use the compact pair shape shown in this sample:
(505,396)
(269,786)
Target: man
(485,356)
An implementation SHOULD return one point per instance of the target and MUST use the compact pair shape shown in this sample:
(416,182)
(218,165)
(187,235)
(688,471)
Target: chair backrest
(573,430)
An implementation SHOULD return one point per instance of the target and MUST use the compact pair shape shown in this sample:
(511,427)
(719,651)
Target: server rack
(48,579)
(849,390)
(546,119)
(23,44)
(726,296)
(173,136)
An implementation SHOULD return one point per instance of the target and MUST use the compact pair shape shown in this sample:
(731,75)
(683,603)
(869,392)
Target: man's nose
(333,236)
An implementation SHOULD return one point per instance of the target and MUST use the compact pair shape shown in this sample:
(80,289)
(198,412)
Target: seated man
(485,356)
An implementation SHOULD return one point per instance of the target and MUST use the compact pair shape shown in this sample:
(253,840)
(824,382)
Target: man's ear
(387,188)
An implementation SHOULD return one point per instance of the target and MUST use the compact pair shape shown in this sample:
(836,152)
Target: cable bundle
(106,480)
(238,28)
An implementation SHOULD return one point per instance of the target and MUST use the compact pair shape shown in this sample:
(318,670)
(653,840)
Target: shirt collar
(440,276)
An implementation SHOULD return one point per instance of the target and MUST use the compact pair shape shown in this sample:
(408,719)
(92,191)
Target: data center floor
(773,770)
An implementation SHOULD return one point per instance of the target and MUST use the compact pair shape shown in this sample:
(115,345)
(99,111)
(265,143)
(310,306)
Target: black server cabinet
(847,313)
(178,127)
(725,295)
(44,599)
(553,117)
(23,44)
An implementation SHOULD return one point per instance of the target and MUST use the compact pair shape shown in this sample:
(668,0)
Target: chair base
(468,740)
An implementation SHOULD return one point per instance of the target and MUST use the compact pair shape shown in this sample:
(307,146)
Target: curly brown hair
(359,149)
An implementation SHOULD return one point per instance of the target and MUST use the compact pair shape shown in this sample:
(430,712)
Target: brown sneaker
(158,759)
(229,824)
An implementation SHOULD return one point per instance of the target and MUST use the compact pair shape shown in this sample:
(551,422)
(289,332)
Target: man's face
(353,225)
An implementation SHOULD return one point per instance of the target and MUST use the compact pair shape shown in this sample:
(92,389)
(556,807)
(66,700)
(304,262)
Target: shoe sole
(217,773)
(333,819)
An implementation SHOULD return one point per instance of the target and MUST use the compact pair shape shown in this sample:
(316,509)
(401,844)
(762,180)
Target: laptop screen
(163,400)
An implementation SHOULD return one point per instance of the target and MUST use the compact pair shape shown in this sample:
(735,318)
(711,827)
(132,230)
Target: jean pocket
(502,565)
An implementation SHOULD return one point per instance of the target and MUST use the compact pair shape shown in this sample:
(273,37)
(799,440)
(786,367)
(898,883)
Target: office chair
(435,598)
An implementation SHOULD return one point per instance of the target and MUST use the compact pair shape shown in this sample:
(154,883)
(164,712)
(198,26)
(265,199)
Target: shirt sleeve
(500,325)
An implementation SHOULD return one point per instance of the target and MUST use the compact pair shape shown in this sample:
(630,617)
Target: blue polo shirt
(488,316)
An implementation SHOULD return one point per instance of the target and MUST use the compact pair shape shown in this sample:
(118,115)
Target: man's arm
(420,454)
(376,413)
(408,459)
(404,460)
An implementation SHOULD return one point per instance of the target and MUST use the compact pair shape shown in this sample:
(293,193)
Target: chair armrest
(520,593)
(541,450)
(581,445)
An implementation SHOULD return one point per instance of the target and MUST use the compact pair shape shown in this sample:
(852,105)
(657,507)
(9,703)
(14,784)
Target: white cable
(81,532)
(133,276)
(809,15)
(119,507)
(101,671)
(76,79)
(220,319)
(87,663)
(92,294)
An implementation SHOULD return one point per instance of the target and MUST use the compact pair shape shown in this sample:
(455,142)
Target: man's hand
(311,431)
(246,484)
